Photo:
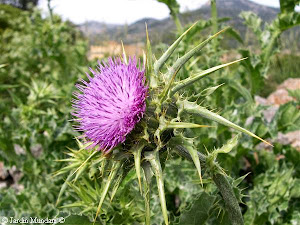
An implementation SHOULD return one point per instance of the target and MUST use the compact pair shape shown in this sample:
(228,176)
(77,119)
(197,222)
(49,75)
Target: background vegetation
(43,57)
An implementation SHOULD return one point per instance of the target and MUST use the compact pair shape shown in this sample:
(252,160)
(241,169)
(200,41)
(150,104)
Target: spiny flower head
(111,103)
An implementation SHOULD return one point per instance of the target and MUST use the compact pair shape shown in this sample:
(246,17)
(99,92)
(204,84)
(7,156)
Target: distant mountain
(163,30)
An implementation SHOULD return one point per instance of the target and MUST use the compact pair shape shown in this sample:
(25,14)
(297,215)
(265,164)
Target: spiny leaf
(124,53)
(82,192)
(235,34)
(72,205)
(179,143)
(63,188)
(182,60)
(208,91)
(240,88)
(122,177)
(176,143)
(184,83)
(114,169)
(159,63)
(89,188)
(82,146)
(66,169)
(66,160)
(164,93)
(116,186)
(181,125)
(177,66)
(85,162)
(228,146)
(102,167)
(137,151)
(153,158)
(79,172)
(239,180)
(189,145)
(87,209)
(149,62)
(199,110)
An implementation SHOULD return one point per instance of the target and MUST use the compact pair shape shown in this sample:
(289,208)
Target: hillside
(133,33)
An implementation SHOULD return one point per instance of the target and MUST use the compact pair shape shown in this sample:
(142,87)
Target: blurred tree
(288,5)
(22,4)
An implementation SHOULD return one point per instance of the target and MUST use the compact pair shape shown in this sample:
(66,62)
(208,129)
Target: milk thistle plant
(130,115)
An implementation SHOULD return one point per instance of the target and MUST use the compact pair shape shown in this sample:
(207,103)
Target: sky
(122,11)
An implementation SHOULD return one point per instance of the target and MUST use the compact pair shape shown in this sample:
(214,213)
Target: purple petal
(110,105)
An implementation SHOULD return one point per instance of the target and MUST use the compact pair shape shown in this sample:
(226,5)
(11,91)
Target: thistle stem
(214,17)
(177,23)
(147,182)
(147,203)
(229,198)
(180,150)
(232,205)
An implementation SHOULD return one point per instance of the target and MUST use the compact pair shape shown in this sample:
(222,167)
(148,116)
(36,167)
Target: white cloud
(114,11)
(121,11)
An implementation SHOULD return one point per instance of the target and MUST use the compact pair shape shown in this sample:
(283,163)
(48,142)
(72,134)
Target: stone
(3,172)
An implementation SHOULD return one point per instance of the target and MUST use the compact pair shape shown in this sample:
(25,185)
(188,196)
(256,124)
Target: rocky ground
(274,100)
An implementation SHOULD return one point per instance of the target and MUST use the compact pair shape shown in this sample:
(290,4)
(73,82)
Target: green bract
(161,130)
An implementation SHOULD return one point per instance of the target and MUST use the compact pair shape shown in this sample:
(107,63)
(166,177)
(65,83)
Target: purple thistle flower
(111,103)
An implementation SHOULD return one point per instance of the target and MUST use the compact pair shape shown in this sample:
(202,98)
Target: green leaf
(188,144)
(235,34)
(137,151)
(114,169)
(255,70)
(124,53)
(150,77)
(153,158)
(239,180)
(76,219)
(252,21)
(182,125)
(2,65)
(208,91)
(240,88)
(184,83)
(288,5)
(295,191)
(174,11)
(182,60)
(289,20)
(63,188)
(159,63)
(193,108)
(295,94)
(84,164)
(228,146)
(6,86)
(172,5)
(199,211)
(116,186)
(288,117)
